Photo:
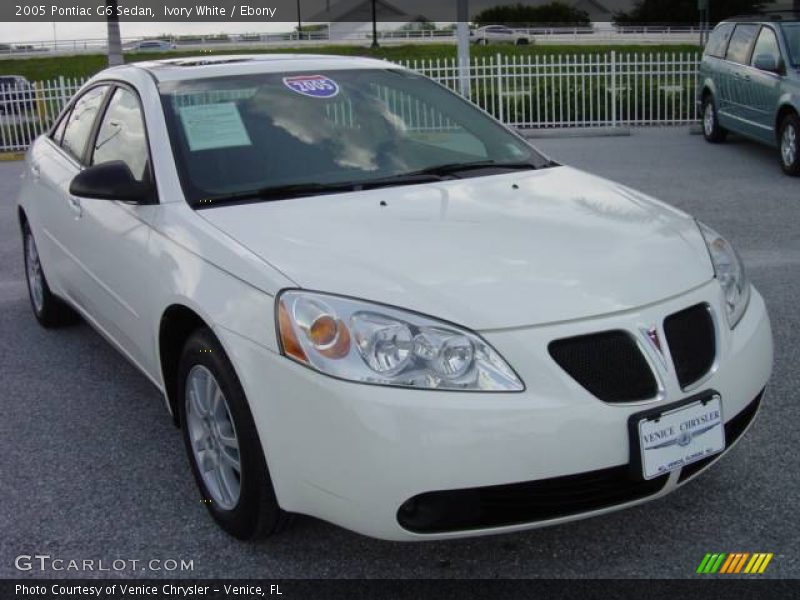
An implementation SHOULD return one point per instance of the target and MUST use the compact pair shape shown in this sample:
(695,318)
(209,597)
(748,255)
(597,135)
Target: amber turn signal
(289,341)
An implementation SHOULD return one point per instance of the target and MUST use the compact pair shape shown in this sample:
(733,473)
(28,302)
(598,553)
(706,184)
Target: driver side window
(122,135)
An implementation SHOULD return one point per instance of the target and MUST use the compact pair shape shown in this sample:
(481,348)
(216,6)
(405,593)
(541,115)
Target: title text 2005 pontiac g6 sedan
(366,300)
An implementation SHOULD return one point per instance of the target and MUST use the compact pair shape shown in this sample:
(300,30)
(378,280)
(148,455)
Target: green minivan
(750,83)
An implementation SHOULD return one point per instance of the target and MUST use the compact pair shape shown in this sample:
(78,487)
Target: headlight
(729,271)
(372,343)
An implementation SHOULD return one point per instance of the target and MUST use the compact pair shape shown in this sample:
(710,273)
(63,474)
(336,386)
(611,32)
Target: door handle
(75,205)
(36,170)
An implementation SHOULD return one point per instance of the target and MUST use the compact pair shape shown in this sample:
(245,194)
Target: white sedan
(365,300)
(499,34)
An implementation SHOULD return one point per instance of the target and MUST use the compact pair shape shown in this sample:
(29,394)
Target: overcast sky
(29,32)
(34,32)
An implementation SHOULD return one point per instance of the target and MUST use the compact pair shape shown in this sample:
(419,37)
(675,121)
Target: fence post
(613,88)
(62,93)
(500,112)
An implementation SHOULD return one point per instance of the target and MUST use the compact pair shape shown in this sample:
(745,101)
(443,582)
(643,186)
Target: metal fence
(26,111)
(597,33)
(580,90)
(534,91)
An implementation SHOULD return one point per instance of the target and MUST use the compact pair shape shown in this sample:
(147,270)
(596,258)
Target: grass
(51,67)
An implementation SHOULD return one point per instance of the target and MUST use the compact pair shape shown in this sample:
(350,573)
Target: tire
(712,130)
(789,145)
(49,310)
(222,438)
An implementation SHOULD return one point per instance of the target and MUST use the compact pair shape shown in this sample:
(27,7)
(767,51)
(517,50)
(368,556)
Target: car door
(734,95)
(714,67)
(765,87)
(53,165)
(112,238)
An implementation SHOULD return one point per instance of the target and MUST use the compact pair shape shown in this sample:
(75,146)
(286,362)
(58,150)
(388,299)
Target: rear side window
(741,42)
(79,124)
(718,40)
(58,132)
(122,135)
(767,43)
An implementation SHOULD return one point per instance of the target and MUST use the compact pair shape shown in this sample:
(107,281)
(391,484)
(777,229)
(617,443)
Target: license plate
(678,437)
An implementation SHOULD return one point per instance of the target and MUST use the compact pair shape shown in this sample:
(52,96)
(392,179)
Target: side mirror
(111,181)
(768,62)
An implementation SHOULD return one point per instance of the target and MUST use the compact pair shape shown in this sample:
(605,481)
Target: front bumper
(353,454)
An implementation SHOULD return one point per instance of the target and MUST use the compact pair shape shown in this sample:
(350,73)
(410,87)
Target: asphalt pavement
(91,467)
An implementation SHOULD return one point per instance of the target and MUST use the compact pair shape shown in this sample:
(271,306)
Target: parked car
(499,34)
(16,94)
(152,46)
(395,316)
(750,83)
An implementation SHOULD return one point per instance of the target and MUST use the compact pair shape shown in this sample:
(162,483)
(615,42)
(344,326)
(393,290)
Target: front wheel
(224,449)
(712,130)
(789,136)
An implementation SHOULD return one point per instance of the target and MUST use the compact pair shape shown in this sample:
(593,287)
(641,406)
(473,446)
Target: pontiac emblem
(652,335)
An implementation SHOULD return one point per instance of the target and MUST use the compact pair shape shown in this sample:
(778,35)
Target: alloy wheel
(33,269)
(708,119)
(789,145)
(215,445)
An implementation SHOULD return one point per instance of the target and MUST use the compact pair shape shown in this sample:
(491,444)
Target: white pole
(462,16)
(114,41)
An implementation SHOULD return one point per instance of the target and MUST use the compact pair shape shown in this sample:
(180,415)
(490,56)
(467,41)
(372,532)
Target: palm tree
(114,40)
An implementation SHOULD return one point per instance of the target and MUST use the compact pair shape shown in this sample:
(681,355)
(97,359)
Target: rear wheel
(789,137)
(712,130)
(48,310)
(222,443)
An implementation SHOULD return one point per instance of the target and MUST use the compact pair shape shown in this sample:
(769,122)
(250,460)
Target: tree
(647,12)
(419,24)
(520,15)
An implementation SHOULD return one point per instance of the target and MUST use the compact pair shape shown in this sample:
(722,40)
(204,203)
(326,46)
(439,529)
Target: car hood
(490,252)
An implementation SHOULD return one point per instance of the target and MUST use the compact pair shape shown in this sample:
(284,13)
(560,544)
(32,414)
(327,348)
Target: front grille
(528,502)
(733,431)
(608,364)
(692,343)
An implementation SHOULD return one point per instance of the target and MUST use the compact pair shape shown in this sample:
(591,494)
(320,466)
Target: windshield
(233,136)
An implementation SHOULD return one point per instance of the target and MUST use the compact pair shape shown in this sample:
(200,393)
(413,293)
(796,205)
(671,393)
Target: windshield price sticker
(213,126)
(314,86)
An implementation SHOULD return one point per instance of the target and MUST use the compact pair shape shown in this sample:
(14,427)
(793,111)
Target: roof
(200,67)
(767,16)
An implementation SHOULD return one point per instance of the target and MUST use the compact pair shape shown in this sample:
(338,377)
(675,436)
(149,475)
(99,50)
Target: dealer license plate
(681,436)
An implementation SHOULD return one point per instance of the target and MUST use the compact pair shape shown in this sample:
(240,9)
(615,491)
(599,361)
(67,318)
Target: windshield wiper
(299,190)
(455,168)
(277,192)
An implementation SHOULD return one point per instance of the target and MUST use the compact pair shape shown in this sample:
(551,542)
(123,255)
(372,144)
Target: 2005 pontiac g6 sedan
(368,301)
